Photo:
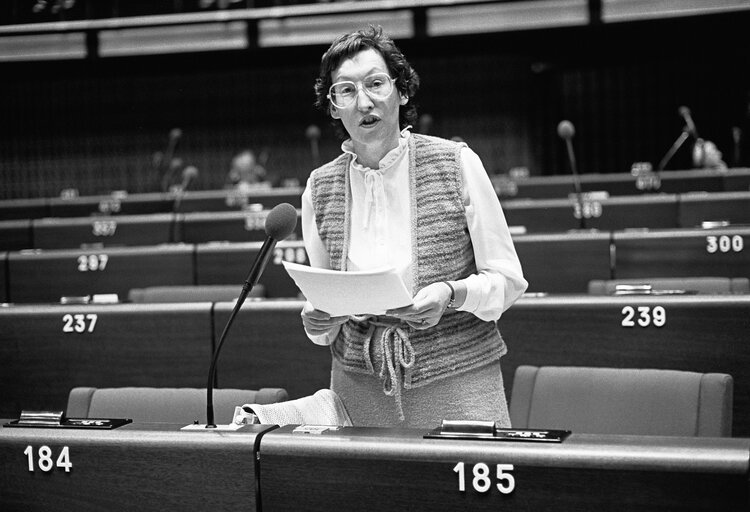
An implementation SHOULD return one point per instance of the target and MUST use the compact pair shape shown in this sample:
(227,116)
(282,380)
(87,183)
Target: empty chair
(164,405)
(674,285)
(622,401)
(200,293)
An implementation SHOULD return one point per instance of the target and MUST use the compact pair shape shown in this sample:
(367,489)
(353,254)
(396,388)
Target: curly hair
(346,46)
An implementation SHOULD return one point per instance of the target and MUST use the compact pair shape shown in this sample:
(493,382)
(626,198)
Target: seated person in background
(707,156)
(246,172)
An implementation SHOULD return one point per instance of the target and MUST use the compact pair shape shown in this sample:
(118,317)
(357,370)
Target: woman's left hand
(428,306)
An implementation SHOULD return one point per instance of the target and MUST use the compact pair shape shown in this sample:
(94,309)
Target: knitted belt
(398,355)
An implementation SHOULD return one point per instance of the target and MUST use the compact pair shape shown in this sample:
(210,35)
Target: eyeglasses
(377,86)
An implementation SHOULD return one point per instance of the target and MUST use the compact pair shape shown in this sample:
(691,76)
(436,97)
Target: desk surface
(157,467)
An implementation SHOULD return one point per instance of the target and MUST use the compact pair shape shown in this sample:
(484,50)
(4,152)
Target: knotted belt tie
(398,355)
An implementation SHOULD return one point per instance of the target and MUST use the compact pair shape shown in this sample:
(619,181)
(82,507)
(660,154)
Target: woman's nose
(364,102)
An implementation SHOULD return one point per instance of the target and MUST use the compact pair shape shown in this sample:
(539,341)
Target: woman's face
(368,121)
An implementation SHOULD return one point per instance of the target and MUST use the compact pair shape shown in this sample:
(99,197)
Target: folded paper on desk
(339,293)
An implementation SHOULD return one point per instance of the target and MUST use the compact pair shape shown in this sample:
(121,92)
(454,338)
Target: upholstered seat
(200,293)
(701,285)
(164,405)
(622,401)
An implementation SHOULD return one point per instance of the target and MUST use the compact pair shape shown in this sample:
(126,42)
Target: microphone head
(565,129)
(175,133)
(312,132)
(189,172)
(683,111)
(281,221)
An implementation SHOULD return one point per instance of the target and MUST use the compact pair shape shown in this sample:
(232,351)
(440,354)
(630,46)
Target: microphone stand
(675,146)
(258,266)
(576,180)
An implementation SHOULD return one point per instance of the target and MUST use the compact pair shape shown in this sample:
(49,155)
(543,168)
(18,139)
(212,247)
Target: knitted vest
(441,251)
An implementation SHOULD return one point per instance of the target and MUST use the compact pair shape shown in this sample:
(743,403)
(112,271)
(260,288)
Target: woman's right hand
(319,322)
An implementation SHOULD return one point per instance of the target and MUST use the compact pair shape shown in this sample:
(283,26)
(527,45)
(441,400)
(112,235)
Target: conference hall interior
(154,166)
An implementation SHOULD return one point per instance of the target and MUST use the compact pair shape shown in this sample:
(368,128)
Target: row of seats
(560,186)
(552,263)
(524,216)
(621,401)
(49,349)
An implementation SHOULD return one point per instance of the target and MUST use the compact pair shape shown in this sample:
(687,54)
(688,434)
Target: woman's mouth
(369,121)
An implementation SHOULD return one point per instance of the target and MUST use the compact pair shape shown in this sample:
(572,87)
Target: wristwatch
(452,301)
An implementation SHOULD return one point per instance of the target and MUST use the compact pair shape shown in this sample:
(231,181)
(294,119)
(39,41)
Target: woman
(424,206)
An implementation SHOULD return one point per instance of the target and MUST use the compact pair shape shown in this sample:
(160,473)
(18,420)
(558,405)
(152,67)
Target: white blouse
(381,231)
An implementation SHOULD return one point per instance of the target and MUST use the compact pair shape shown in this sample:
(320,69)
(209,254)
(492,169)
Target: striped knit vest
(442,251)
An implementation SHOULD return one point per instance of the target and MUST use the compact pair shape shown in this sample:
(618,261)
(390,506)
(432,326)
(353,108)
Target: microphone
(189,173)
(566,131)
(689,124)
(167,162)
(736,145)
(280,223)
(313,135)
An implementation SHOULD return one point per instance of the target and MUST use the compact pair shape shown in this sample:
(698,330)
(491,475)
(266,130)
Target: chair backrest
(198,293)
(164,405)
(702,285)
(622,401)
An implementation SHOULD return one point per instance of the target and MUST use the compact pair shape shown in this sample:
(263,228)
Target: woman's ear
(334,112)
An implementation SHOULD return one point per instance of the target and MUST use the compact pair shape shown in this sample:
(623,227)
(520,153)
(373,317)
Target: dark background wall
(95,125)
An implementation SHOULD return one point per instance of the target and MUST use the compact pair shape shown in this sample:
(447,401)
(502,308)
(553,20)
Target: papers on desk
(350,293)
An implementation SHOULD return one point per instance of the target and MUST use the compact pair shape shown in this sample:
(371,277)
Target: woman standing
(424,206)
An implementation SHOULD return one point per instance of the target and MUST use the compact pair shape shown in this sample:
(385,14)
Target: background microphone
(280,223)
(566,131)
(313,135)
(189,173)
(689,124)
(736,146)
(167,165)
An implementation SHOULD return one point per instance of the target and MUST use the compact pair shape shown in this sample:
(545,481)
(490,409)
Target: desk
(719,252)
(111,204)
(244,226)
(732,207)
(103,230)
(370,469)
(268,347)
(621,212)
(16,235)
(564,262)
(135,467)
(11,209)
(701,333)
(47,350)
(231,199)
(230,263)
(46,275)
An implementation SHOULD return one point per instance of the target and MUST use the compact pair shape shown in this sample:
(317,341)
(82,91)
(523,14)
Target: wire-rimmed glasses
(377,86)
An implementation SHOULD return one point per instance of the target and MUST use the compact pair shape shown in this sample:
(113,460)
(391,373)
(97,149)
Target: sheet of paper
(350,293)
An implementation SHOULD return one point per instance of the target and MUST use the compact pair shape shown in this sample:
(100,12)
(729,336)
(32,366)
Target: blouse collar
(387,161)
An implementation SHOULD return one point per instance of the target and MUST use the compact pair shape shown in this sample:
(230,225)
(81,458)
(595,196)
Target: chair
(657,285)
(622,401)
(200,293)
(164,405)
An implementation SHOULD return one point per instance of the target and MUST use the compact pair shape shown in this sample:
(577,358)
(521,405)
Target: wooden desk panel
(719,252)
(624,212)
(11,209)
(230,263)
(695,333)
(231,199)
(111,204)
(48,350)
(387,469)
(244,226)
(267,347)
(135,467)
(108,230)
(3,277)
(16,235)
(732,207)
(45,276)
(563,263)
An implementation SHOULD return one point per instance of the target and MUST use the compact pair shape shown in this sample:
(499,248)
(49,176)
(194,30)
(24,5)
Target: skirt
(473,395)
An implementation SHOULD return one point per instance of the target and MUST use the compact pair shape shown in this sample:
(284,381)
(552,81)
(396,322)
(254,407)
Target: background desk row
(47,350)
(559,186)
(530,216)
(159,467)
(554,263)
